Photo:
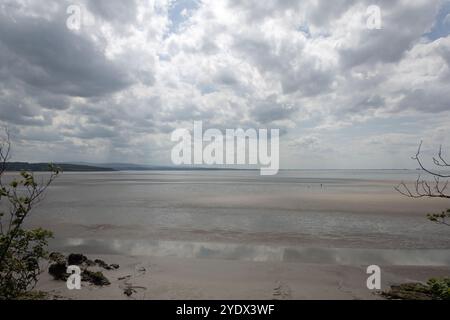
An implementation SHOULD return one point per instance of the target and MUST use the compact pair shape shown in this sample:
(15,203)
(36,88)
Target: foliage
(434,289)
(43,167)
(440,288)
(20,249)
(440,218)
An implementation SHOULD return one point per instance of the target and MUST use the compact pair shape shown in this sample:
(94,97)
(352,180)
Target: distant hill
(120,166)
(143,167)
(36,167)
(92,167)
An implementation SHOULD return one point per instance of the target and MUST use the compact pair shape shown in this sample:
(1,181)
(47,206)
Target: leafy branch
(20,249)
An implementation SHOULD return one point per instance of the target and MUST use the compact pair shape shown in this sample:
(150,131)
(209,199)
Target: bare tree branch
(441,162)
(444,163)
(5,149)
(423,188)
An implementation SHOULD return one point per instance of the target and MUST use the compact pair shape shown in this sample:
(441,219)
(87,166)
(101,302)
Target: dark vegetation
(434,289)
(58,268)
(43,167)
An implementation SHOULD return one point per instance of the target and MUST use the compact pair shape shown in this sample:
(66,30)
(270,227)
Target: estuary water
(304,215)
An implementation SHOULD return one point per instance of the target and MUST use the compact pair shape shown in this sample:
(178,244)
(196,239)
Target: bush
(440,288)
(435,289)
(20,249)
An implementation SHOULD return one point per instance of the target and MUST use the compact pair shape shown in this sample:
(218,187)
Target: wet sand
(236,235)
(183,278)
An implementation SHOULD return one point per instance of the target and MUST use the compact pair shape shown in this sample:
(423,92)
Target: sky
(342,95)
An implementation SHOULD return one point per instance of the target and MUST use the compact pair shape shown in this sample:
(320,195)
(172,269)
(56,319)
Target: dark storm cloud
(46,55)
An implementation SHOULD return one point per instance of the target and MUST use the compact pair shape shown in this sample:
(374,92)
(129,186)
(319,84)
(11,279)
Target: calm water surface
(239,212)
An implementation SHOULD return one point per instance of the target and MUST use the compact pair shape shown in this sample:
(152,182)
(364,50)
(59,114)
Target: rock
(129,291)
(416,287)
(96,278)
(57,257)
(409,291)
(76,259)
(89,263)
(141,270)
(58,271)
(102,264)
(106,266)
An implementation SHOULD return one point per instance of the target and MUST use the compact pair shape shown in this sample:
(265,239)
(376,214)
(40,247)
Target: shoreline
(161,278)
(211,236)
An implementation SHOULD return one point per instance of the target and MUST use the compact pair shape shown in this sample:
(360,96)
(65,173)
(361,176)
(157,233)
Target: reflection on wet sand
(228,251)
(358,209)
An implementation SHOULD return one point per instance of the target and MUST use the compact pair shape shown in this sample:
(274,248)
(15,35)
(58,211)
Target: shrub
(440,288)
(20,249)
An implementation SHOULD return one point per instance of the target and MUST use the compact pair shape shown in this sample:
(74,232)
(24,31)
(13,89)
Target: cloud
(270,110)
(430,100)
(115,89)
(50,57)
(115,10)
(447,19)
(368,47)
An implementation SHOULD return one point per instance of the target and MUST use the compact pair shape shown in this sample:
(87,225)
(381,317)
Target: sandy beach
(228,235)
(199,279)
